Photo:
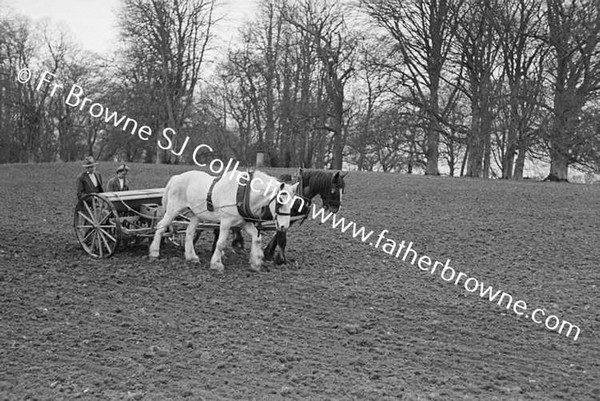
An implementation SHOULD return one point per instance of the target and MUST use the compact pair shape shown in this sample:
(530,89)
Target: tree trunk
(520,164)
(476,146)
(486,158)
(433,140)
(464,162)
(566,108)
(337,127)
(474,161)
(509,154)
(559,166)
(451,156)
(486,129)
(433,133)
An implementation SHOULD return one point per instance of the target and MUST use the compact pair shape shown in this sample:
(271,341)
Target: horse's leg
(216,237)
(256,252)
(216,260)
(162,225)
(190,233)
(238,240)
(270,248)
(280,251)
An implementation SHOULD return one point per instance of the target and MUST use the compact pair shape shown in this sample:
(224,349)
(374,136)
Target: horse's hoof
(255,269)
(218,267)
(279,260)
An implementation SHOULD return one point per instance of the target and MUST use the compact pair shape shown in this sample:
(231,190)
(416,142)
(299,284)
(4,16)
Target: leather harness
(243,199)
(308,201)
(209,202)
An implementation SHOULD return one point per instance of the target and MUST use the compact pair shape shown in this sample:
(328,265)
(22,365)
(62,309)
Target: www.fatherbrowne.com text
(449,274)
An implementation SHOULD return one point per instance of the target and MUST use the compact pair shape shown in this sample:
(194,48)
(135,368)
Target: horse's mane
(318,180)
(287,178)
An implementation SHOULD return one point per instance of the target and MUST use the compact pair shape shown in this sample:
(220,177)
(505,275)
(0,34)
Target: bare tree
(27,120)
(171,37)
(479,52)
(285,84)
(16,51)
(334,46)
(519,28)
(574,35)
(256,67)
(423,33)
(367,97)
(270,37)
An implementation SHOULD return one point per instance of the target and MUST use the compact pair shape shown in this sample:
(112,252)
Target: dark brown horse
(329,185)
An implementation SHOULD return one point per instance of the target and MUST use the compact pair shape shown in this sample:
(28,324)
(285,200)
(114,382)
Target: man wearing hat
(89,181)
(120,181)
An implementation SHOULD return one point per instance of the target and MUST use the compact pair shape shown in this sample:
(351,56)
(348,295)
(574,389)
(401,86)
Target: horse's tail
(165,197)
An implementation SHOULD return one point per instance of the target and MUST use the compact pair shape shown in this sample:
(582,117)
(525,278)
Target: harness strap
(307,204)
(243,199)
(209,203)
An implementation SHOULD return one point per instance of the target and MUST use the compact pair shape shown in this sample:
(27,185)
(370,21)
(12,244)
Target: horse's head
(281,205)
(332,196)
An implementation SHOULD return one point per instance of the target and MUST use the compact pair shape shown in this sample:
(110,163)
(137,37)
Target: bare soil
(342,321)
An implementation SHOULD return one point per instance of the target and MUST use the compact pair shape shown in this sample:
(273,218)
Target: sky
(93,23)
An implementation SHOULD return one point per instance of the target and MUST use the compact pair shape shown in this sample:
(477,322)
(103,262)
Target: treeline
(469,87)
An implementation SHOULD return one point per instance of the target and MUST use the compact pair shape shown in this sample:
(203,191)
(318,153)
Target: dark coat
(85,185)
(113,184)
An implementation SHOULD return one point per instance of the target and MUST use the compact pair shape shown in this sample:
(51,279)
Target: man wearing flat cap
(90,181)
(120,182)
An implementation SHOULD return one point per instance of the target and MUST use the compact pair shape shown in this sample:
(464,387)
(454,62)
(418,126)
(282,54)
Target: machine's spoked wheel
(97,226)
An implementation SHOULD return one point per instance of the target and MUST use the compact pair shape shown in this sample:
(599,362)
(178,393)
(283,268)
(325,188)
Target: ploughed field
(342,321)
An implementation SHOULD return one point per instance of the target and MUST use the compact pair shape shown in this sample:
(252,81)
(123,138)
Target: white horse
(191,190)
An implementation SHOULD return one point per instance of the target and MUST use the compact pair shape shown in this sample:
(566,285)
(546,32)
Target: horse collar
(243,199)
